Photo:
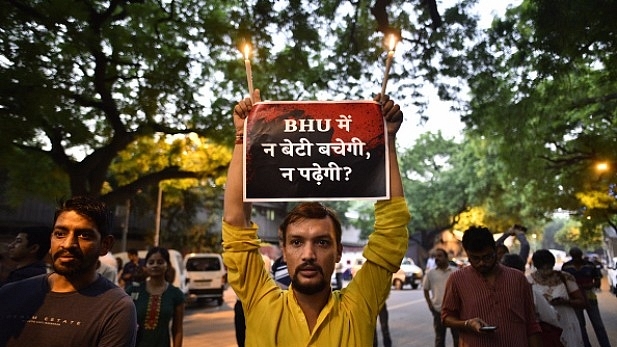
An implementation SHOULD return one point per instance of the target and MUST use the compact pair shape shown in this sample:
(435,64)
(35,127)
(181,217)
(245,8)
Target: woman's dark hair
(311,210)
(543,257)
(170,273)
(162,251)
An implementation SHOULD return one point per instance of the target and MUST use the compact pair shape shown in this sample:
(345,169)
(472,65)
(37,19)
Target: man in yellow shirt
(309,313)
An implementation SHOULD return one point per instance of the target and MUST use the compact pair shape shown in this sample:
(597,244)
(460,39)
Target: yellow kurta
(273,317)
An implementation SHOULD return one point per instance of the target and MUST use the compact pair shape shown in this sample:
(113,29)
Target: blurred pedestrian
(434,285)
(133,270)
(159,304)
(338,275)
(519,232)
(28,250)
(560,290)
(280,273)
(385,328)
(545,311)
(490,304)
(73,306)
(588,278)
(108,267)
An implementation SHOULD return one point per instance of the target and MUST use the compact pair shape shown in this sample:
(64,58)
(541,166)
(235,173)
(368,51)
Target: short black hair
(543,257)
(477,239)
(311,210)
(438,249)
(514,261)
(576,252)
(38,235)
(91,208)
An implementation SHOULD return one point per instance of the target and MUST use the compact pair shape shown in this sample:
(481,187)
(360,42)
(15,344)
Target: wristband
(239,139)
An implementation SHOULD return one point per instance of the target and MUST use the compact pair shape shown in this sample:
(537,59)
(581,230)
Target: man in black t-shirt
(74,306)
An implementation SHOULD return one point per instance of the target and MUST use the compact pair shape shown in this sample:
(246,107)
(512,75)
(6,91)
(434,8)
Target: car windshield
(203,264)
(407,262)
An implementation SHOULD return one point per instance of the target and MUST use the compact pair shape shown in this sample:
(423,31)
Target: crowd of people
(86,298)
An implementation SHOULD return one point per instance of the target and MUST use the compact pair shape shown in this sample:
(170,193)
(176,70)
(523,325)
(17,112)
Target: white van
(207,276)
(180,278)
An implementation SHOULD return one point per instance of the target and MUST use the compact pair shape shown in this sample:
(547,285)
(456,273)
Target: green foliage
(582,234)
(83,81)
(191,207)
(47,182)
(544,94)
(88,87)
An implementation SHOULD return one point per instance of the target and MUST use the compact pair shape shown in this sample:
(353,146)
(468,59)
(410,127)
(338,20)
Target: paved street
(410,321)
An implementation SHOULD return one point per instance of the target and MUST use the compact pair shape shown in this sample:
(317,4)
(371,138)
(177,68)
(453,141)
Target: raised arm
(235,210)
(522,239)
(394,118)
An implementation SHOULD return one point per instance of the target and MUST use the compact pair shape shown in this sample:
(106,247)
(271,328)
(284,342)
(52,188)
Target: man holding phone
(491,305)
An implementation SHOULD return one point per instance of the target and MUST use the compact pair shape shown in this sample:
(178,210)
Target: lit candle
(249,72)
(388,63)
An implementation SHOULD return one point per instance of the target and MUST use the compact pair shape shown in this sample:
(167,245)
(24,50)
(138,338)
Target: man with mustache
(74,305)
(491,305)
(309,313)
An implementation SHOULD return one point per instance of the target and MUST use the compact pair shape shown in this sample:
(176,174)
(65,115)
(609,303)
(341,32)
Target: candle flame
(247,51)
(392,42)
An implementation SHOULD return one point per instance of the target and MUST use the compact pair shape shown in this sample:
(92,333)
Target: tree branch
(173,172)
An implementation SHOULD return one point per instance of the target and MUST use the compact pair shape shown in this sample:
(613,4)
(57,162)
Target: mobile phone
(488,328)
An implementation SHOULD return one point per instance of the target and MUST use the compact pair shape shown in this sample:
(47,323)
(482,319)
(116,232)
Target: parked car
(409,273)
(611,274)
(180,278)
(207,276)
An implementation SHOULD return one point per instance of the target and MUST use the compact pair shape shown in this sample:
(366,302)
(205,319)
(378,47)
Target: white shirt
(435,282)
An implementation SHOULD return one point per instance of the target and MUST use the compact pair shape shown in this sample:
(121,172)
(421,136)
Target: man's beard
(486,269)
(309,289)
(79,265)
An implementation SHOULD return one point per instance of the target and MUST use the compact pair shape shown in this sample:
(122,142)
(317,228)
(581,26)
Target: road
(410,322)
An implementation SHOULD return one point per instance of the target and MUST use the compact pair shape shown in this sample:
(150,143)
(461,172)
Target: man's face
(19,249)
(76,245)
(483,261)
(441,260)
(134,258)
(311,252)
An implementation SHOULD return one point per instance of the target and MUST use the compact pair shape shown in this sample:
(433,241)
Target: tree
(544,92)
(84,80)
(454,185)
(190,208)
(88,79)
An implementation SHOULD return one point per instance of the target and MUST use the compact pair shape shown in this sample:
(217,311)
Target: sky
(440,117)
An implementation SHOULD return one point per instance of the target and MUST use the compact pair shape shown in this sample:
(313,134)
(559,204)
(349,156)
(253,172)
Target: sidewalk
(608,309)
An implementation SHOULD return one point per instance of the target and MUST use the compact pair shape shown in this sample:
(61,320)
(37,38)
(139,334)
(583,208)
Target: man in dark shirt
(133,270)
(587,277)
(73,306)
(28,250)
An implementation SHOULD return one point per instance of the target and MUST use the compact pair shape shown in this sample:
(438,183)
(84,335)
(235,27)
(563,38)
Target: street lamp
(157,222)
(602,167)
